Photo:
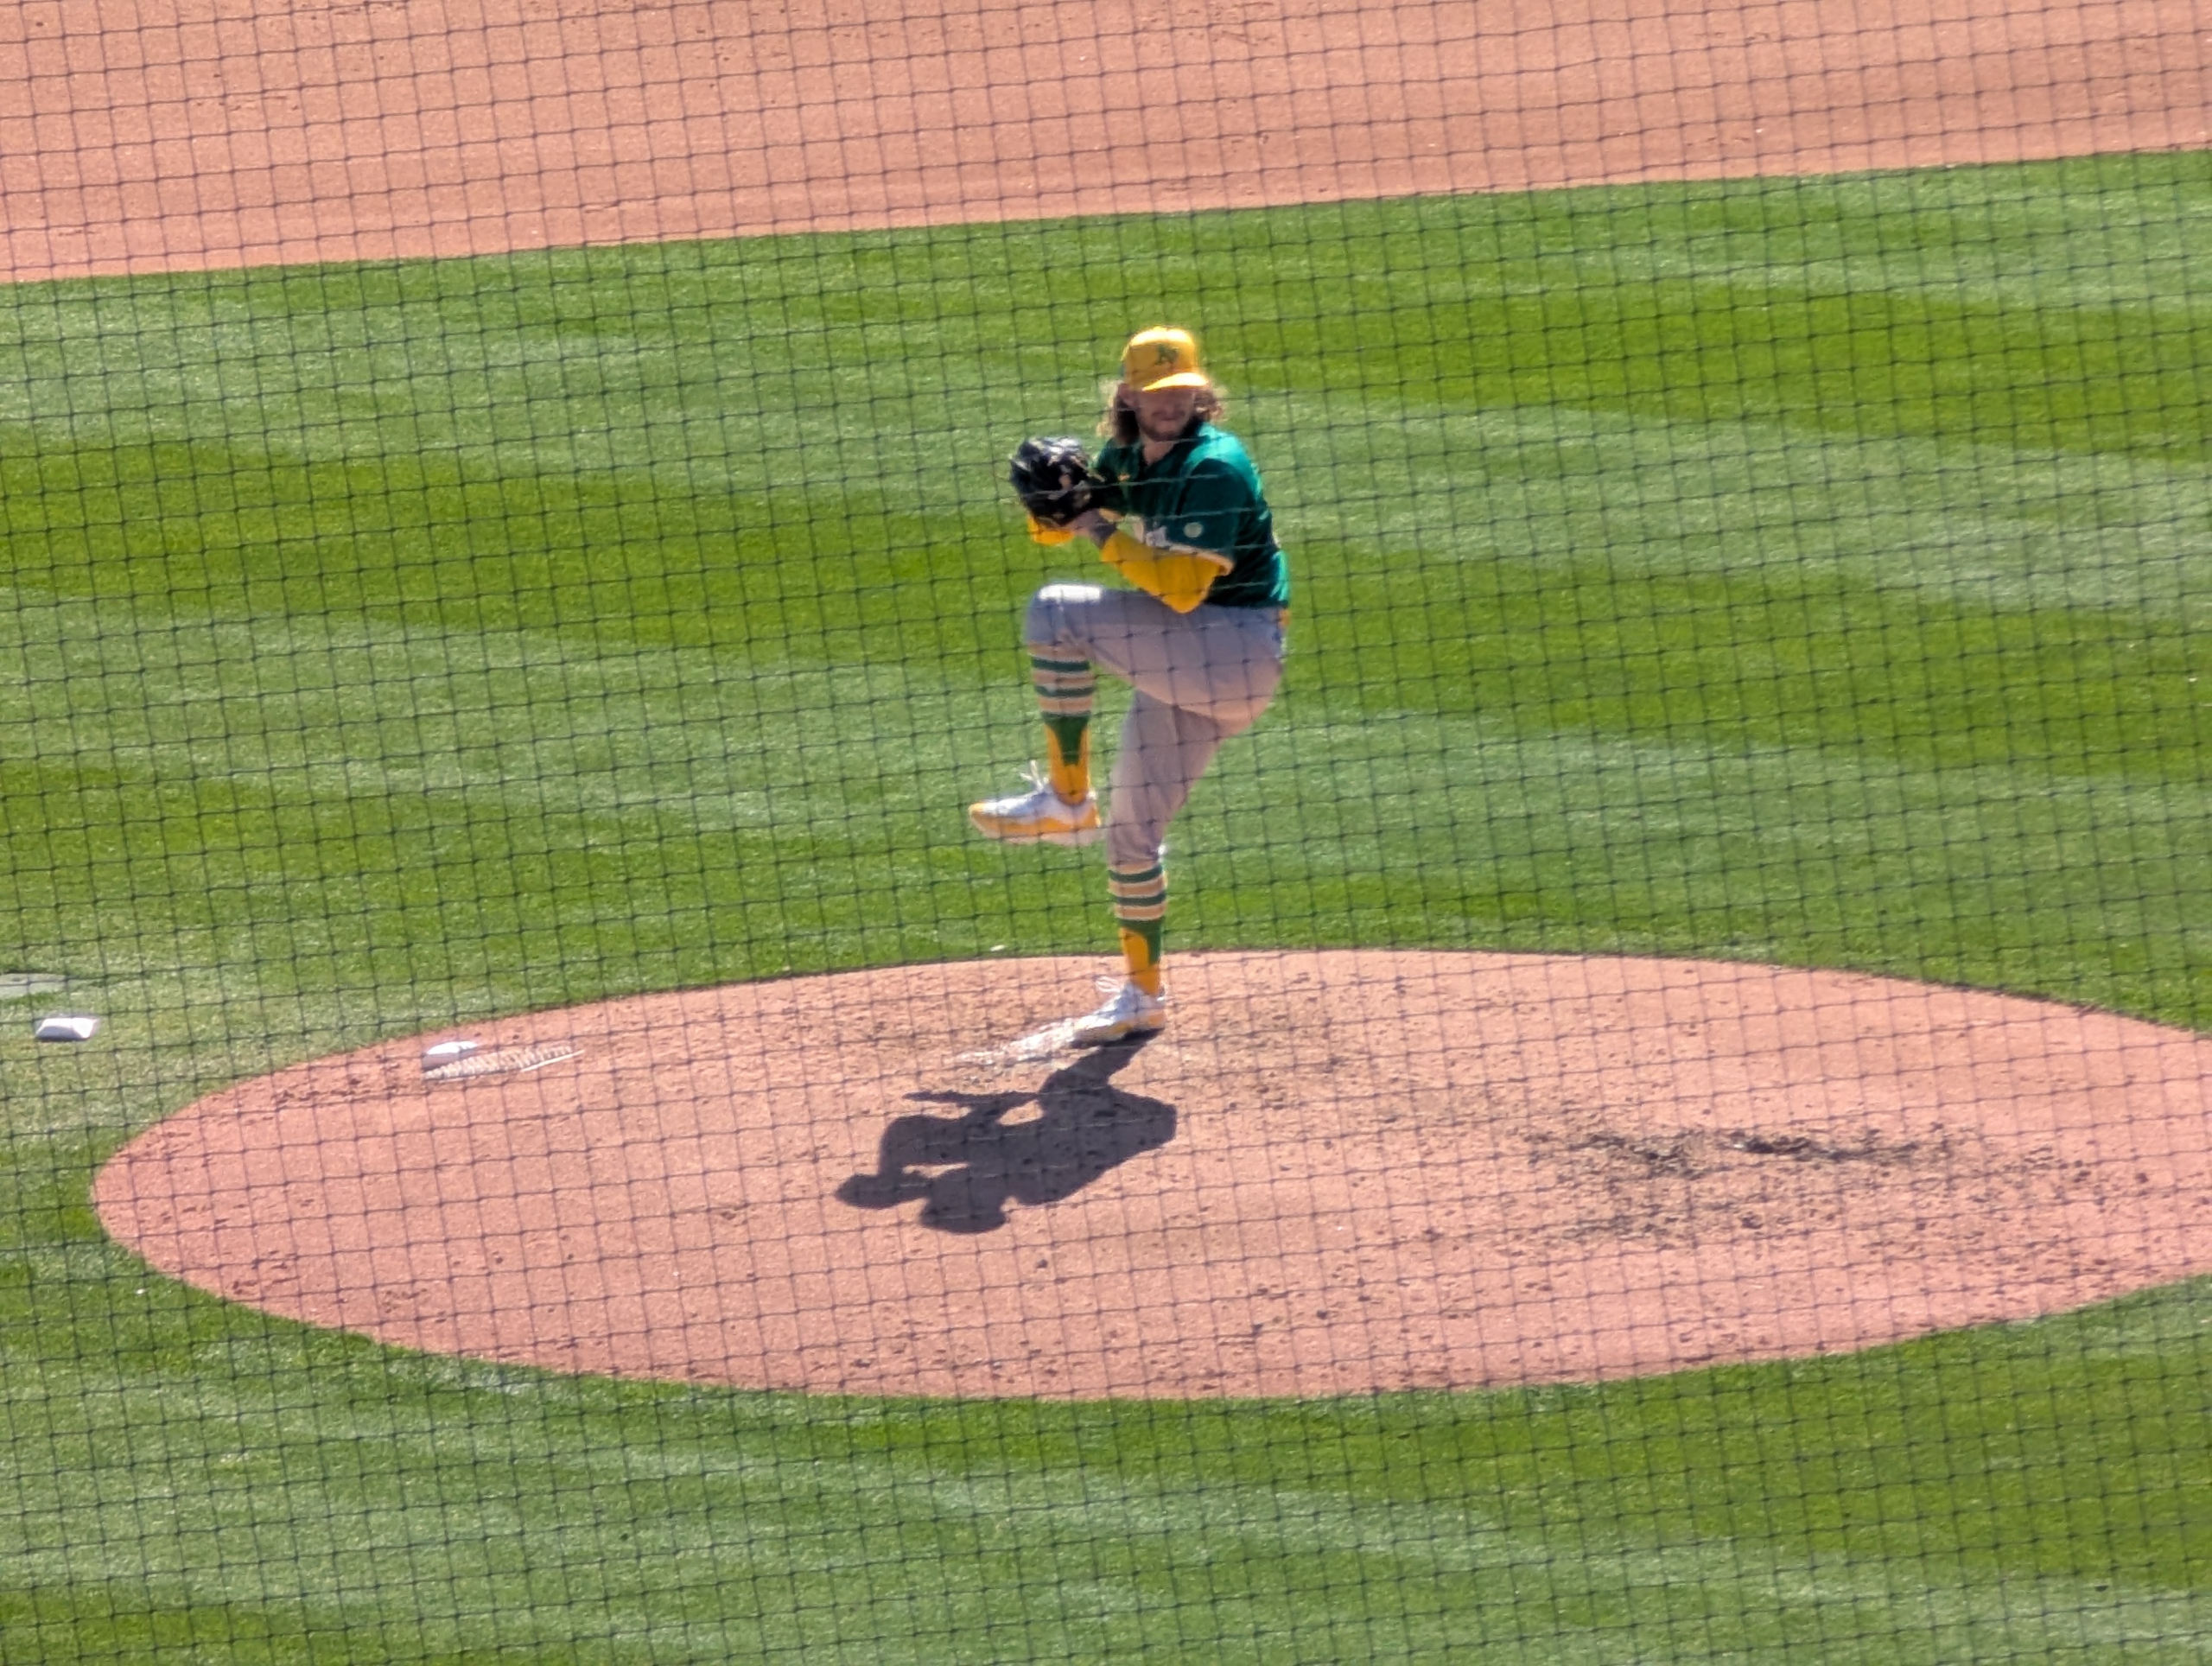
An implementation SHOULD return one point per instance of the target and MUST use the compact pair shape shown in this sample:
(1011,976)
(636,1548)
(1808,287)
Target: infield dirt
(197,133)
(1335,1172)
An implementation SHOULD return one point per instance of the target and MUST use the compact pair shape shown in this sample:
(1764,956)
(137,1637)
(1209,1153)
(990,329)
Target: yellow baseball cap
(1162,359)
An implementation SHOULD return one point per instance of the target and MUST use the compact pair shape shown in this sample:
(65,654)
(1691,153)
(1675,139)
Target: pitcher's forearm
(1178,577)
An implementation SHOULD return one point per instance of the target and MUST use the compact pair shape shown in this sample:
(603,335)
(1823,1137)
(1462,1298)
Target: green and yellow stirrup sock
(1065,689)
(1139,897)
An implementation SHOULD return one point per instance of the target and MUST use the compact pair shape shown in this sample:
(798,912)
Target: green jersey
(1202,497)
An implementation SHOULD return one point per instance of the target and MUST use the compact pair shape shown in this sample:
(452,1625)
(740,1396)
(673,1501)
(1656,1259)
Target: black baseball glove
(1052,478)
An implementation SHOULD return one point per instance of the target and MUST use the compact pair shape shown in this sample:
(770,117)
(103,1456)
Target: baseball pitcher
(1175,507)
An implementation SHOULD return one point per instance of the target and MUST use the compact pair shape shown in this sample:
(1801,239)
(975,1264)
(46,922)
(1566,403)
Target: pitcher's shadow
(1087,1126)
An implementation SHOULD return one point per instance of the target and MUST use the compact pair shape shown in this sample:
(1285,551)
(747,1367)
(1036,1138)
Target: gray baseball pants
(1199,677)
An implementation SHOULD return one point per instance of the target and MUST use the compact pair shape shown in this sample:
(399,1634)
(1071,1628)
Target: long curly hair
(1119,424)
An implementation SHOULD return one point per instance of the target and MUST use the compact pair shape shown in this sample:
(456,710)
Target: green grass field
(1816,571)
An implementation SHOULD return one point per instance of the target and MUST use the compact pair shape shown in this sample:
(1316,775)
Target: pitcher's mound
(1334,1171)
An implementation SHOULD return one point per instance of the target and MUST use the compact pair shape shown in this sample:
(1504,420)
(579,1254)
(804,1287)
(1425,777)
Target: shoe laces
(1040,780)
(1118,989)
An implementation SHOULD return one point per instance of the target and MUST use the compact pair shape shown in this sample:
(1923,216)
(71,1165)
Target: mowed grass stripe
(1653,845)
(687,360)
(441,771)
(1676,1536)
(1955,524)
(1704,631)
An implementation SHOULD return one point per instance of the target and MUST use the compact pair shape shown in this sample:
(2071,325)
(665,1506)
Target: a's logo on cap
(1162,358)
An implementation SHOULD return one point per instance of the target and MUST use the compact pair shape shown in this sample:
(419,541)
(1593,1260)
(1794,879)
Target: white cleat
(1129,1012)
(1039,815)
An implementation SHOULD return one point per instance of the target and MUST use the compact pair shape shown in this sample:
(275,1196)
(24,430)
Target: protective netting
(1587,1043)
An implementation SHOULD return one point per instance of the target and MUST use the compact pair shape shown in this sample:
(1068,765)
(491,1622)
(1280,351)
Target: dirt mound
(1334,1171)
